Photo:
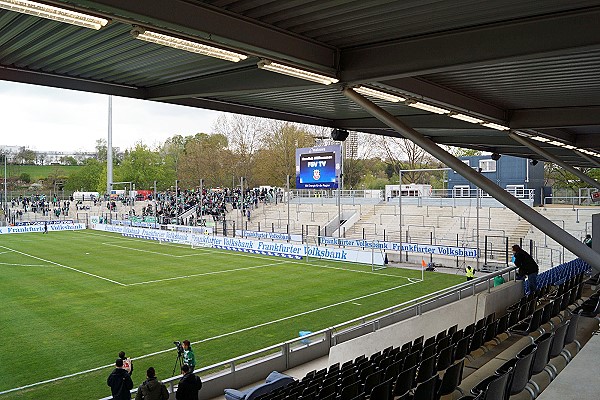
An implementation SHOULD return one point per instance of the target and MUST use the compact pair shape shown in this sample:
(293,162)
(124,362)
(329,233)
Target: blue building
(520,176)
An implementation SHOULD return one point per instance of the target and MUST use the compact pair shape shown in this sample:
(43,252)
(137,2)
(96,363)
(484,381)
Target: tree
(401,154)
(244,135)
(171,152)
(142,166)
(26,156)
(206,157)
(69,160)
(559,178)
(277,158)
(462,152)
(88,177)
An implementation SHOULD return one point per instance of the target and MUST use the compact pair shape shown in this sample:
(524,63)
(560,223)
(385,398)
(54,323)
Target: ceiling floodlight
(568,146)
(496,126)
(540,139)
(296,72)
(378,94)
(556,143)
(182,44)
(428,107)
(54,13)
(466,118)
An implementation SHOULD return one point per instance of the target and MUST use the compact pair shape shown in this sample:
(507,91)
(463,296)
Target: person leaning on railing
(527,267)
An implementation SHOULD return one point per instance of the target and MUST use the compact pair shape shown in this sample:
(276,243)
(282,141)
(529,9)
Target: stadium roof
(533,66)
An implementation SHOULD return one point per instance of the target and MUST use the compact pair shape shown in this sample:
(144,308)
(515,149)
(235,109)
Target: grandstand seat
(541,357)
(476,340)
(349,391)
(426,369)
(429,341)
(445,358)
(443,342)
(490,331)
(589,308)
(383,391)
(428,389)
(462,348)
(325,391)
(494,386)
(523,369)
(392,370)
(452,378)
(452,330)
(558,343)
(371,381)
(429,351)
(529,325)
(456,336)
(570,338)
(405,381)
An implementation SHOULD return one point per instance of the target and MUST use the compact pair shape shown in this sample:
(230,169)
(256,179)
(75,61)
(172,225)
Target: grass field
(72,300)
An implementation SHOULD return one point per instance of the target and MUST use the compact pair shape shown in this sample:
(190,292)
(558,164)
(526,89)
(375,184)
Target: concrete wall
(462,312)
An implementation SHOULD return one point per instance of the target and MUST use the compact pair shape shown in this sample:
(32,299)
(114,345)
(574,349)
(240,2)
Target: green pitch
(72,300)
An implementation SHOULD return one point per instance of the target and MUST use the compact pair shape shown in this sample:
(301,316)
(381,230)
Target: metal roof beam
(444,96)
(242,81)
(515,40)
(425,121)
(251,110)
(539,118)
(67,82)
(216,26)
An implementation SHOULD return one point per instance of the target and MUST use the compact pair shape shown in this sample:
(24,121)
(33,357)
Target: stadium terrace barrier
(253,367)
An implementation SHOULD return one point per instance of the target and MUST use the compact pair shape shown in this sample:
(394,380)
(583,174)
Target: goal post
(366,252)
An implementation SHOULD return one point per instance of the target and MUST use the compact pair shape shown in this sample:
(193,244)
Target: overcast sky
(43,118)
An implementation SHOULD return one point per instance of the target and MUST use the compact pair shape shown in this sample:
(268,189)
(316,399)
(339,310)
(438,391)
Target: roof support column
(529,143)
(520,208)
(588,158)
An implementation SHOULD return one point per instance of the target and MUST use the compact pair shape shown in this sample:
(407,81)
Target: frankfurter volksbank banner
(318,167)
(40,228)
(269,248)
(406,247)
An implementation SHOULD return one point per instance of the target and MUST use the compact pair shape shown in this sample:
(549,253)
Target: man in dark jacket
(120,382)
(527,267)
(152,389)
(189,385)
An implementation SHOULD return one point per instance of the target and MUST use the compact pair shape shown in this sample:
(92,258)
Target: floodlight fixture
(187,45)
(496,126)
(495,156)
(466,118)
(540,139)
(54,13)
(378,94)
(534,162)
(296,72)
(427,107)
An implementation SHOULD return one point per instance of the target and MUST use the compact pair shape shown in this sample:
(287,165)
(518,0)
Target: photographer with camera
(188,355)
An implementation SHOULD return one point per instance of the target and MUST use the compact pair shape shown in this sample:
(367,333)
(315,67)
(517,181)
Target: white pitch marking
(26,265)
(210,338)
(358,304)
(64,266)
(205,273)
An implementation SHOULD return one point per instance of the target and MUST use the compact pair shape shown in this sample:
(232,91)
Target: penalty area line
(64,266)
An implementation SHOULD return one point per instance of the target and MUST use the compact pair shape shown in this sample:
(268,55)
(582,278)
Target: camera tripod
(178,360)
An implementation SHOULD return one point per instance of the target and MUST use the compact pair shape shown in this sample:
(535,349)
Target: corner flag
(423,263)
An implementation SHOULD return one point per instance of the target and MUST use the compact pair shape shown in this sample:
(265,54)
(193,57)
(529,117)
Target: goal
(370,252)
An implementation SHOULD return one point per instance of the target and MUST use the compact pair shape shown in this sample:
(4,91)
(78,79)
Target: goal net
(370,252)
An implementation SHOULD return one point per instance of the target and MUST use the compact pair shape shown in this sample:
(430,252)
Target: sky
(49,119)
